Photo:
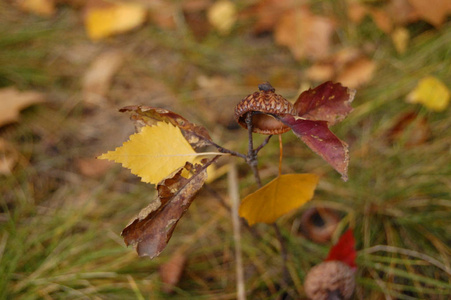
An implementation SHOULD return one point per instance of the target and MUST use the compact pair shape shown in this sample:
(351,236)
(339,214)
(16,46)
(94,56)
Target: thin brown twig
(251,154)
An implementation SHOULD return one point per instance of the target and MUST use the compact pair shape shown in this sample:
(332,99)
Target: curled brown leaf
(196,135)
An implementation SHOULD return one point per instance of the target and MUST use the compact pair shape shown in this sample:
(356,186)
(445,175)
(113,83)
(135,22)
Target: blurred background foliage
(67,66)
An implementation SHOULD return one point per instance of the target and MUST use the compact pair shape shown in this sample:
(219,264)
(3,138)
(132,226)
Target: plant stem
(281,154)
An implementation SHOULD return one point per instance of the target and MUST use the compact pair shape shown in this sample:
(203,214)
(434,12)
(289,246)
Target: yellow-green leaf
(154,153)
(280,196)
(430,92)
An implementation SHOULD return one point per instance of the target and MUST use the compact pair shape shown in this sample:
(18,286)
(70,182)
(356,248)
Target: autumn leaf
(305,34)
(432,11)
(104,18)
(13,101)
(97,79)
(344,250)
(151,230)
(222,15)
(330,102)
(154,153)
(318,137)
(45,8)
(280,196)
(432,93)
(317,109)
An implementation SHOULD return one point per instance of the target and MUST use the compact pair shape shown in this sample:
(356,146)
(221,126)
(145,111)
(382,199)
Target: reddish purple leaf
(344,249)
(317,136)
(329,102)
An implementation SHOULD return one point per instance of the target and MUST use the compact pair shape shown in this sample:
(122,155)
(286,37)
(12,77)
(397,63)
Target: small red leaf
(344,250)
(329,102)
(317,136)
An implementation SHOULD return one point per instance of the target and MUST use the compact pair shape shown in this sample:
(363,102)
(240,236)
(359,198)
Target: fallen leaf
(268,13)
(154,153)
(430,92)
(320,72)
(432,11)
(305,34)
(196,135)
(8,157)
(92,167)
(104,18)
(356,12)
(45,8)
(280,196)
(13,101)
(344,250)
(318,137)
(171,271)
(222,16)
(382,20)
(357,73)
(162,13)
(97,79)
(401,12)
(330,102)
(411,129)
(400,37)
(152,229)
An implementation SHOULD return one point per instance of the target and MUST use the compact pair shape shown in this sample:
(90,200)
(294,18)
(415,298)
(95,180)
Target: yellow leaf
(430,92)
(278,197)
(112,18)
(222,15)
(45,8)
(154,153)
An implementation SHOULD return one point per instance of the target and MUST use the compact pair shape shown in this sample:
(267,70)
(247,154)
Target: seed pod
(330,280)
(264,104)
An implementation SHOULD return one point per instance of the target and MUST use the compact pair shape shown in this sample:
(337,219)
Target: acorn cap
(264,103)
(330,279)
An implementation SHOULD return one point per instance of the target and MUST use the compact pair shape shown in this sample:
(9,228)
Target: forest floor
(62,211)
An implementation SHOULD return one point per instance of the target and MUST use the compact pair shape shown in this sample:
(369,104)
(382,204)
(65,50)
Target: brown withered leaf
(151,230)
(97,79)
(357,73)
(13,101)
(196,135)
(432,11)
(411,129)
(382,20)
(305,34)
(171,271)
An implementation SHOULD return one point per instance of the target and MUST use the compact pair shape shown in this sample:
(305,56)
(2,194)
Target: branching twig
(251,158)
(265,142)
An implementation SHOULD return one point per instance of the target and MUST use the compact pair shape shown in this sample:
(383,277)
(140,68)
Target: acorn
(330,280)
(264,104)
